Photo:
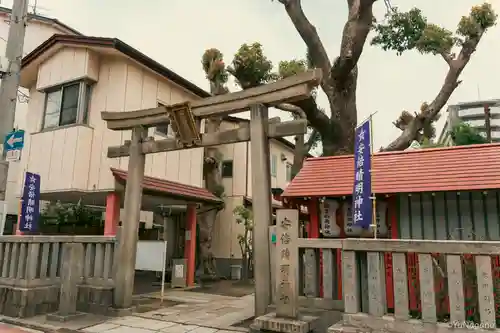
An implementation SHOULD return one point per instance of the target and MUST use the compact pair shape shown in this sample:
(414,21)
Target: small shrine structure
(432,194)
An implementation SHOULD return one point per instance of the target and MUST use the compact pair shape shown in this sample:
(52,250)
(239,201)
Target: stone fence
(30,273)
(455,285)
(383,285)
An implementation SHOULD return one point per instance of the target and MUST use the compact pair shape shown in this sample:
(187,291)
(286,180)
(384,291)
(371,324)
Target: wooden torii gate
(186,119)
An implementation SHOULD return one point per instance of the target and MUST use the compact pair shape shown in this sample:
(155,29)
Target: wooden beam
(291,89)
(275,130)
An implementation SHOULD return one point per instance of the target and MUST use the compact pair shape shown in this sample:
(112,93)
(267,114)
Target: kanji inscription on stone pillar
(287,231)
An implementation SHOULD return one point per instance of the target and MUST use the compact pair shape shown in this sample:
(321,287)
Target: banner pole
(374,197)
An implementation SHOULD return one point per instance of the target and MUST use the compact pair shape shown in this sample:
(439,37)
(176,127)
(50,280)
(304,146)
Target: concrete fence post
(71,272)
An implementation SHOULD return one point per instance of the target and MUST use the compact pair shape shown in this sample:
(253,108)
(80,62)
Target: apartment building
(474,114)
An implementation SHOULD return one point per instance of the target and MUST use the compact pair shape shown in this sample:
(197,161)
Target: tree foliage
(400,31)
(251,67)
(405,31)
(464,134)
(69,213)
(213,65)
(291,67)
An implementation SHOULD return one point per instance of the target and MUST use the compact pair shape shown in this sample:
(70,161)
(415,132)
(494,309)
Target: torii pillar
(261,189)
(185,119)
(127,243)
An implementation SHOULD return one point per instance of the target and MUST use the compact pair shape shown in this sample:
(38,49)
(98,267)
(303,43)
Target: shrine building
(447,193)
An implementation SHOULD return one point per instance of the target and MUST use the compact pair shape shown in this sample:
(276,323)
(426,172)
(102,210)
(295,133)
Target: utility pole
(10,81)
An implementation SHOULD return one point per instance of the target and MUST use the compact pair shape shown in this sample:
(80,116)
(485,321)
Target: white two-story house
(38,30)
(71,79)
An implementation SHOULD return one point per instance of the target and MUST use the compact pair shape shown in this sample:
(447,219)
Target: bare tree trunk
(244,259)
(206,225)
(339,79)
(299,154)
(301,150)
(213,183)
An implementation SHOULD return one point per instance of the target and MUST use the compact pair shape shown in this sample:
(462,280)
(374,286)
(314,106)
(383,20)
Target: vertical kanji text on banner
(30,206)
(361,195)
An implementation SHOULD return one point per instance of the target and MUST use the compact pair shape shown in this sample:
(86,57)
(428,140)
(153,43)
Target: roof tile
(169,187)
(474,167)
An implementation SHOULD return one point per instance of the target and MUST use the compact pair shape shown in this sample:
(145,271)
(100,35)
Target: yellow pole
(374,198)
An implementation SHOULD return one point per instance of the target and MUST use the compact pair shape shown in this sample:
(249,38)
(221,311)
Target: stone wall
(30,274)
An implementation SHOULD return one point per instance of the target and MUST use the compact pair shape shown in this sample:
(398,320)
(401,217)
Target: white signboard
(381,218)
(328,210)
(150,256)
(13,155)
(179,271)
(3,216)
(349,228)
(352,230)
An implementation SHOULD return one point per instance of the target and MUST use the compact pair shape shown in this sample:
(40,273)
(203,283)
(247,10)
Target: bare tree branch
(356,29)
(297,112)
(316,118)
(451,82)
(311,140)
(292,109)
(310,36)
(448,57)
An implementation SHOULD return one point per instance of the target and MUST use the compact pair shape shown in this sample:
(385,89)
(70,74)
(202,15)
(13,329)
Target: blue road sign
(14,141)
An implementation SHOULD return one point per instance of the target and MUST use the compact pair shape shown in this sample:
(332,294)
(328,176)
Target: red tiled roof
(174,189)
(474,167)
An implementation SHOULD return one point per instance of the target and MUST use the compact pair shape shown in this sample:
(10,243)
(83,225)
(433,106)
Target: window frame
(169,133)
(83,103)
(222,168)
(288,175)
(274,165)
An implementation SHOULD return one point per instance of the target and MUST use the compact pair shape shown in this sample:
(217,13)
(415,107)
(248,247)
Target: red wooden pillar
(313,232)
(190,247)
(112,216)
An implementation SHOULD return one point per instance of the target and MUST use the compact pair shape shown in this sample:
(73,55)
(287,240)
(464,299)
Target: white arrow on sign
(13,140)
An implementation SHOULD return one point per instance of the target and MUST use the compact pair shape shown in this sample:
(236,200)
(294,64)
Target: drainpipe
(246,170)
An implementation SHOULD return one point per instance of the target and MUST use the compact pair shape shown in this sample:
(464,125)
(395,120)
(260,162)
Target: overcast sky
(176,32)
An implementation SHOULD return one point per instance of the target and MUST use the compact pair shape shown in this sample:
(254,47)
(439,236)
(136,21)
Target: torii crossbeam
(185,119)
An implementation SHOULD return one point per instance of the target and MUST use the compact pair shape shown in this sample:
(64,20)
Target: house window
(288,172)
(164,130)
(227,169)
(274,165)
(67,105)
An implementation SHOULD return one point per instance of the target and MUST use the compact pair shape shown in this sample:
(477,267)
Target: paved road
(199,313)
(141,325)
(4,328)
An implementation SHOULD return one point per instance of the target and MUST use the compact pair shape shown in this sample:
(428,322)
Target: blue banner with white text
(361,195)
(30,207)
